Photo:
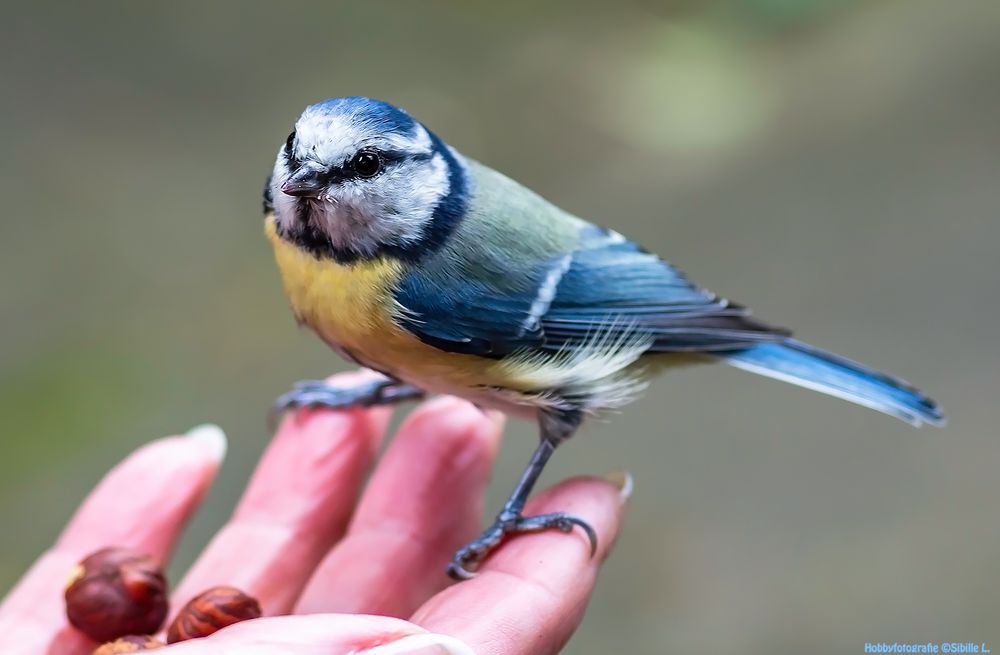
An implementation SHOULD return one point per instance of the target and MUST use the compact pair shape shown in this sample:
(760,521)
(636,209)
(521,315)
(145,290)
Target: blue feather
(609,286)
(379,115)
(802,364)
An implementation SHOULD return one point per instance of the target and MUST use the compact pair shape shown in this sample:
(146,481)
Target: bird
(445,276)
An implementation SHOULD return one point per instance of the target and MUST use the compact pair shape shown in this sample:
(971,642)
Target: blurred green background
(833,164)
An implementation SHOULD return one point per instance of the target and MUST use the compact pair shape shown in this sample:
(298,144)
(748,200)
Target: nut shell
(129,644)
(211,611)
(116,592)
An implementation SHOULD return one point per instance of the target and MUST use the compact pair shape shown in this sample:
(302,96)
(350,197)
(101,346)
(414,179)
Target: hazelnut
(116,592)
(212,611)
(130,644)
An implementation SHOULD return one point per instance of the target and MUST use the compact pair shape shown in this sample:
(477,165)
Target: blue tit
(448,277)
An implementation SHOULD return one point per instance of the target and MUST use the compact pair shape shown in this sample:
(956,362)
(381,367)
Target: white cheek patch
(409,192)
(393,208)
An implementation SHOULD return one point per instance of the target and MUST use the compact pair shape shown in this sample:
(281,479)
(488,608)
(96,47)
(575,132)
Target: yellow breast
(352,307)
(346,304)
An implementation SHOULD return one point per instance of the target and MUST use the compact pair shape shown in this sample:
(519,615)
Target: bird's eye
(290,142)
(366,163)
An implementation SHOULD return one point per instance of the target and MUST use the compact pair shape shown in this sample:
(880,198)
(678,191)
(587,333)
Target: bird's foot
(468,558)
(319,393)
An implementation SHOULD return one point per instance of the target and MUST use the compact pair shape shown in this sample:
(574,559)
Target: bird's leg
(319,393)
(555,428)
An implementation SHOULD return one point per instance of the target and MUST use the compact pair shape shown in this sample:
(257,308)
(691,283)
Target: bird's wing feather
(602,285)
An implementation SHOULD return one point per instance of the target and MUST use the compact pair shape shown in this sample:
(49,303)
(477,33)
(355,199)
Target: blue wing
(606,284)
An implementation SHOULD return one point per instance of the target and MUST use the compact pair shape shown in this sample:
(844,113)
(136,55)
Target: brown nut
(130,644)
(211,611)
(116,592)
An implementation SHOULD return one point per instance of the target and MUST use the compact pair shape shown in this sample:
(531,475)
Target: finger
(296,506)
(322,634)
(424,500)
(143,503)
(530,595)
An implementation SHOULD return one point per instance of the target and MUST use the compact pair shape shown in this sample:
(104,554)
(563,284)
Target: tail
(806,366)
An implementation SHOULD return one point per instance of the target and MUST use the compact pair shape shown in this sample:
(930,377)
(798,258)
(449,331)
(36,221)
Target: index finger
(143,503)
(529,596)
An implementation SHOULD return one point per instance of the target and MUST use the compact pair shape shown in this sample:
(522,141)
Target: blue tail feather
(806,366)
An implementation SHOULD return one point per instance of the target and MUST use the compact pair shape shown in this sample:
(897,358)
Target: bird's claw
(320,393)
(467,559)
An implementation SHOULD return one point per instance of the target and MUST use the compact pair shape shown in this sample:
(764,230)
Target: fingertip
(623,481)
(309,420)
(452,430)
(196,454)
(445,407)
(598,501)
(604,496)
(349,379)
(449,414)
(144,501)
(211,439)
(496,416)
(611,489)
(164,450)
(506,590)
(321,424)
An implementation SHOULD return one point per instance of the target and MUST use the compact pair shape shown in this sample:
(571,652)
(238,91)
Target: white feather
(598,373)
(546,293)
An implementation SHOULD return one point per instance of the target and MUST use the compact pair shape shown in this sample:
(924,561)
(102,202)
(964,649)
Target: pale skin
(324,553)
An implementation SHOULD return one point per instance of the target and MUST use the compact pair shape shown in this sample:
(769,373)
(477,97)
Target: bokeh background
(833,163)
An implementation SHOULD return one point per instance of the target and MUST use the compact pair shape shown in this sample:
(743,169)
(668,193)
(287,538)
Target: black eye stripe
(388,159)
(347,172)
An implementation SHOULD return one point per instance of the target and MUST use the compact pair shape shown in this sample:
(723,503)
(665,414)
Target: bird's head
(359,177)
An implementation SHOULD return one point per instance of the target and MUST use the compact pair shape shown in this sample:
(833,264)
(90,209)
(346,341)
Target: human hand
(333,573)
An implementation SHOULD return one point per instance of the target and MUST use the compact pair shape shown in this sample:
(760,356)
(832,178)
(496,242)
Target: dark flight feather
(606,285)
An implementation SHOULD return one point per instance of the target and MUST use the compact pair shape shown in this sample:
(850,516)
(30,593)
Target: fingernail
(211,439)
(624,481)
(422,644)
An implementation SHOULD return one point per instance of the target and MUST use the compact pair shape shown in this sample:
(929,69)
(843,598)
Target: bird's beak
(306,182)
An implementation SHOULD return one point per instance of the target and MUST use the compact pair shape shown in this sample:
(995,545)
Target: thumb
(323,634)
